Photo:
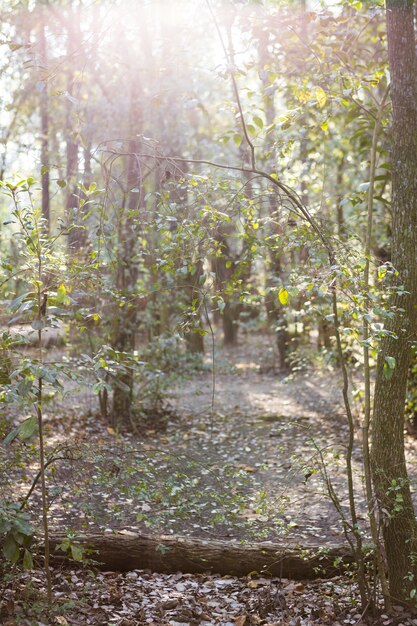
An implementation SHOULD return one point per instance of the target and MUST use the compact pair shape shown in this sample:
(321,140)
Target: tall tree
(44,112)
(390,477)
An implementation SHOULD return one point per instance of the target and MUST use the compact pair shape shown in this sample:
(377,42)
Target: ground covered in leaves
(245,454)
(141,598)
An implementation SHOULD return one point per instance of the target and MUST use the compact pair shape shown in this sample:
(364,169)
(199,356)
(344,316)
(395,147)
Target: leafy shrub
(17,533)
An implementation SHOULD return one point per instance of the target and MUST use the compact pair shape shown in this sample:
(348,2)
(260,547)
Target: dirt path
(281,429)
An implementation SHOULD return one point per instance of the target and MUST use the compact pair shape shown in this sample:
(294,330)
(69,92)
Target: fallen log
(124,551)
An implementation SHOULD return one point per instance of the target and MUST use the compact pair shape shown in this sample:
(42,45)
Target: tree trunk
(44,112)
(72,146)
(389,470)
(126,551)
(124,336)
(276,275)
(230,324)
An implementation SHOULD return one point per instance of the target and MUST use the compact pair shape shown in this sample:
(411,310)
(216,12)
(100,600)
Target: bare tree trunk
(72,147)
(388,461)
(226,268)
(44,112)
(275,311)
(124,337)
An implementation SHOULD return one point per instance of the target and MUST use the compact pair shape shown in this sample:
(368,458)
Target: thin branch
(234,84)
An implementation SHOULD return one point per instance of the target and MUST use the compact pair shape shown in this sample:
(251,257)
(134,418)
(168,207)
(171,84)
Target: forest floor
(249,459)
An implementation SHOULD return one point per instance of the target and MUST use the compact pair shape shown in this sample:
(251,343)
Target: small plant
(17,534)
(394,493)
(25,380)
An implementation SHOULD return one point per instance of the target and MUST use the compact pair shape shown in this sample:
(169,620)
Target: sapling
(37,253)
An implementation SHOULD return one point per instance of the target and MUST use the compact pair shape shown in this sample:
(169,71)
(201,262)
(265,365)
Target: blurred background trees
(100,101)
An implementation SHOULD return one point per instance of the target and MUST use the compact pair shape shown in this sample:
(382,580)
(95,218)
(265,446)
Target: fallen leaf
(240,620)
(247,468)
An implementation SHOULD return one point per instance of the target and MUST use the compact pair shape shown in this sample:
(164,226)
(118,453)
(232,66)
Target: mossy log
(124,551)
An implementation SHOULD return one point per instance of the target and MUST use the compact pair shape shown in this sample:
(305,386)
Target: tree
(44,113)
(392,487)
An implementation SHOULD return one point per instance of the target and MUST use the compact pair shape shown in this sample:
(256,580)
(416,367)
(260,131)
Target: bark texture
(127,551)
(388,461)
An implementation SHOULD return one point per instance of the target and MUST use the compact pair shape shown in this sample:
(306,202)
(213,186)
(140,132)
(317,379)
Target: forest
(208,312)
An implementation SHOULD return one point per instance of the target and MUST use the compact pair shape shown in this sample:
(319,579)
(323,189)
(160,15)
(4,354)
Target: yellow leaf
(321,97)
(325,125)
(283,296)
(111,431)
(255,225)
(303,96)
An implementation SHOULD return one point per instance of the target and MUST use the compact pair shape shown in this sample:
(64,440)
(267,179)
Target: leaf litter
(141,598)
(265,428)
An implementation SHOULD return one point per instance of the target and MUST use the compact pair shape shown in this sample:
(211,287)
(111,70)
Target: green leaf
(27,560)
(11,549)
(77,553)
(283,296)
(382,271)
(5,526)
(27,428)
(23,527)
(61,292)
(63,546)
(61,183)
(258,121)
(11,436)
(237,139)
(389,367)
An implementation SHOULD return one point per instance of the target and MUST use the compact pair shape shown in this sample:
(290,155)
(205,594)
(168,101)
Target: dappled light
(208,287)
